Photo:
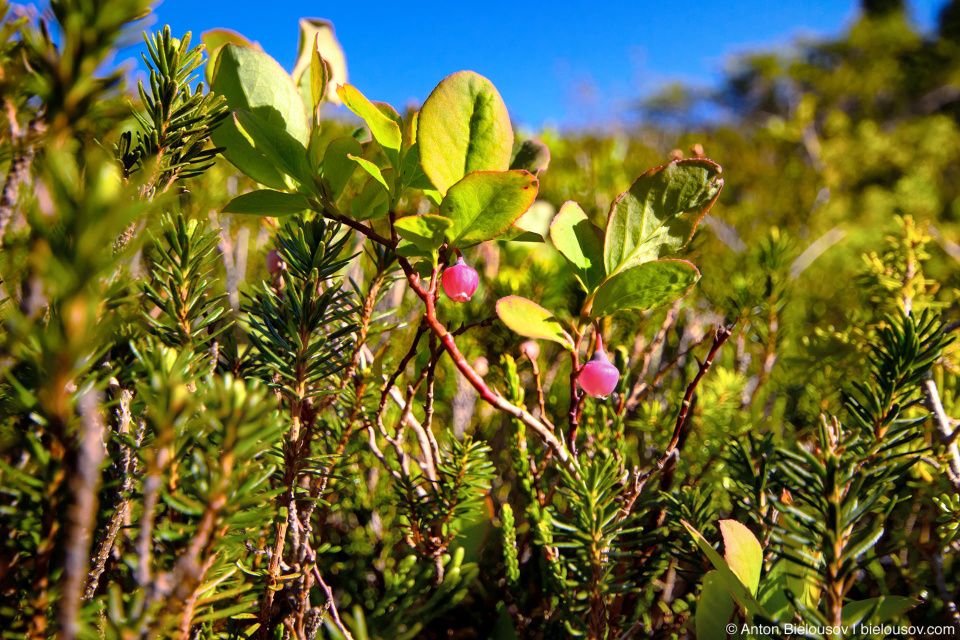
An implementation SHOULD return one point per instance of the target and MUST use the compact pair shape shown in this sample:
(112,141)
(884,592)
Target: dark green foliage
(881,8)
(949,21)
(838,495)
(591,540)
(178,122)
(302,333)
(182,290)
(905,350)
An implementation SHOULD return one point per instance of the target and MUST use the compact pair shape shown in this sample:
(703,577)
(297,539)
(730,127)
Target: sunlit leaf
(463,127)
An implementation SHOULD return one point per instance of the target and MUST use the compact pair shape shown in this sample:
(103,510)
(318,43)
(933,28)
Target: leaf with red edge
(743,553)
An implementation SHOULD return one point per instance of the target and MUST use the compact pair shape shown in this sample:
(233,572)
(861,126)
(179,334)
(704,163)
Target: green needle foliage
(854,478)
(178,122)
(302,332)
(183,263)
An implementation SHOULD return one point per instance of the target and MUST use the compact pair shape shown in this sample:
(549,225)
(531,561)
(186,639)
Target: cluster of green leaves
(621,269)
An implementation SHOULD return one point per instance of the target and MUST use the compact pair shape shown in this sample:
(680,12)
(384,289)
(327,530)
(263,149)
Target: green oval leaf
(214,40)
(372,201)
(772,594)
(660,212)
(485,204)
(337,165)
(531,320)
(411,172)
(321,72)
(277,146)
(463,127)
(385,129)
(427,232)
(321,35)
(743,553)
(714,608)
(531,156)
(647,286)
(737,589)
(372,170)
(267,202)
(581,243)
(251,80)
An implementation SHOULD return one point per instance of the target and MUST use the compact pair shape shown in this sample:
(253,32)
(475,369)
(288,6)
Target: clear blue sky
(559,63)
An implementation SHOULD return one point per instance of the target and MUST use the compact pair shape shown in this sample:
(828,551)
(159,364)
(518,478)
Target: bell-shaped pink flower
(460,281)
(275,263)
(598,378)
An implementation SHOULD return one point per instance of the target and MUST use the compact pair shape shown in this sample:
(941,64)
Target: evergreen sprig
(178,122)
(592,543)
(303,333)
(181,288)
(839,492)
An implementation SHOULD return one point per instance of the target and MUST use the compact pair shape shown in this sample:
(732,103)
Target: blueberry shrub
(267,371)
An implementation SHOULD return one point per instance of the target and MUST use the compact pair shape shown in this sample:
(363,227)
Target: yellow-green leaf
(214,40)
(531,320)
(337,165)
(372,169)
(463,127)
(581,243)
(321,34)
(714,609)
(743,553)
(277,146)
(427,232)
(267,202)
(321,73)
(660,212)
(485,204)
(738,590)
(384,128)
(252,81)
(531,156)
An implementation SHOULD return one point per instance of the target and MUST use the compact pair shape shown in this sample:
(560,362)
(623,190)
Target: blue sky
(562,63)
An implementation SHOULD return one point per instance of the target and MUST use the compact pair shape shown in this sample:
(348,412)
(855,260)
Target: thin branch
(428,410)
(632,400)
(330,212)
(331,604)
(575,395)
(446,338)
(720,336)
(948,600)
(128,469)
(931,400)
(19,171)
(541,401)
(82,512)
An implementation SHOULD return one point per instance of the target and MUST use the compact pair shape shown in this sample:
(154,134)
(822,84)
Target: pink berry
(460,281)
(531,349)
(275,263)
(599,377)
